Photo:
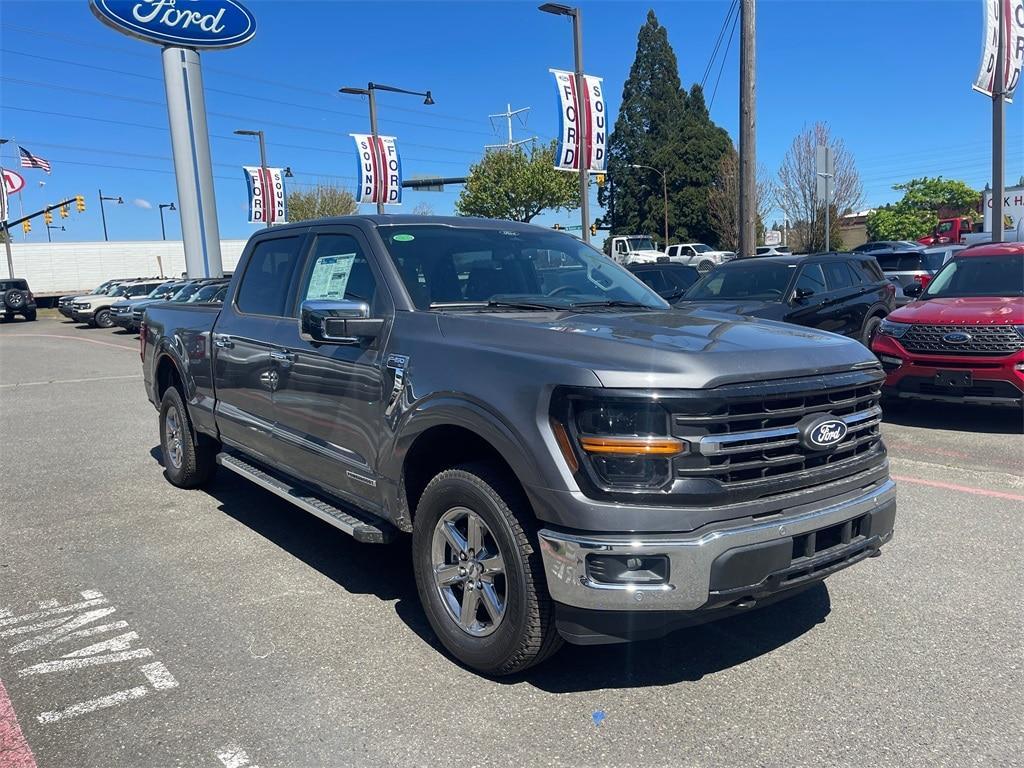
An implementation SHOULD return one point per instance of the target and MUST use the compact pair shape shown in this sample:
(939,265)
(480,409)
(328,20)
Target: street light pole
(263,171)
(170,207)
(103,214)
(664,192)
(369,91)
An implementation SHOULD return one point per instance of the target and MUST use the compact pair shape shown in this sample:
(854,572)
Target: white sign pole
(190,143)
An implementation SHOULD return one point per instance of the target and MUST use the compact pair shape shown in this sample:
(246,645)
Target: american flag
(28,160)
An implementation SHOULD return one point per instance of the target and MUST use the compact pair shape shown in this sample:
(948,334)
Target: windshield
(448,267)
(206,293)
(640,243)
(137,290)
(116,290)
(701,248)
(979,276)
(162,288)
(184,293)
(766,282)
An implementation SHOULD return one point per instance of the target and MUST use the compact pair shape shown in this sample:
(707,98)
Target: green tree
(511,184)
(924,202)
(319,201)
(661,125)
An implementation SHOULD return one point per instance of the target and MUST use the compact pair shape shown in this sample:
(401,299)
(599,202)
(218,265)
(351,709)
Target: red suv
(962,340)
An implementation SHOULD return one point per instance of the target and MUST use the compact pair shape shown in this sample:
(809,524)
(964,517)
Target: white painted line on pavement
(73,623)
(44,604)
(88,603)
(234,757)
(85,707)
(61,665)
(91,594)
(119,643)
(159,676)
(68,381)
(91,631)
(24,629)
(132,348)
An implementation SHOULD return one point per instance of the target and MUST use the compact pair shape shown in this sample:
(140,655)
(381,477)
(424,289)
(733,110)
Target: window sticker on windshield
(330,277)
(403,238)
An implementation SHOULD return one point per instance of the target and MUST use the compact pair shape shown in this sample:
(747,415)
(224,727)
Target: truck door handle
(285,358)
(223,341)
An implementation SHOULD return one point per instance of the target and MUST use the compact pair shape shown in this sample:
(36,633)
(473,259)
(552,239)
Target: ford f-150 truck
(572,457)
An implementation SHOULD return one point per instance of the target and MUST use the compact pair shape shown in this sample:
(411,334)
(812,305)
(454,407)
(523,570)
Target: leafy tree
(511,184)
(423,209)
(319,201)
(797,179)
(924,202)
(661,125)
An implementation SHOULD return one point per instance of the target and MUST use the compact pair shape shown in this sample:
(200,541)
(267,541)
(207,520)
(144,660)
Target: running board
(303,498)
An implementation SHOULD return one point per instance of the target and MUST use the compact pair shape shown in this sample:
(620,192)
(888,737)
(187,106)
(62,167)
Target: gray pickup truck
(572,457)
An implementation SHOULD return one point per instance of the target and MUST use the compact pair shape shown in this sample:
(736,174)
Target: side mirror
(337,322)
(802,293)
(913,290)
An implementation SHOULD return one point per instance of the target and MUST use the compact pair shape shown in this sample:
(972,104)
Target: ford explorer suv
(569,457)
(962,341)
(840,292)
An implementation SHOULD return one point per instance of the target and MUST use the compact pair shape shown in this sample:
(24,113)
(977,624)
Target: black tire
(103,319)
(190,461)
(30,315)
(870,330)
(526,633)
(14,300)
(8,316)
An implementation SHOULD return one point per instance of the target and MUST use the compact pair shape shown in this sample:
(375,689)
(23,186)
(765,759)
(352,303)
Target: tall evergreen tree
(661,125)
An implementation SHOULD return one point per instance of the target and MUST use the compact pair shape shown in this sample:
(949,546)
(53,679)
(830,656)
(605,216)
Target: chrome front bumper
(690,556)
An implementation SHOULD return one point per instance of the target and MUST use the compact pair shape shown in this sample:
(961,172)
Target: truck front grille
(984,339)
(747,440)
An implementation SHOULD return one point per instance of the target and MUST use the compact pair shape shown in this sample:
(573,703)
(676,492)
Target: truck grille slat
(985,339)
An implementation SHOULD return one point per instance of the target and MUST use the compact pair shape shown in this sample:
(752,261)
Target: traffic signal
(48,217)
(26,227)
(593,230)
(600,179)
(556,226)
(80,203)
(65,211)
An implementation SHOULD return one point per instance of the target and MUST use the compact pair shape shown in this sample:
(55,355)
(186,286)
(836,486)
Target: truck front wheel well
(167,376)
(440,448)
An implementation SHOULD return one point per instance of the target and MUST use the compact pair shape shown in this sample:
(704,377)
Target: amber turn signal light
(633,446)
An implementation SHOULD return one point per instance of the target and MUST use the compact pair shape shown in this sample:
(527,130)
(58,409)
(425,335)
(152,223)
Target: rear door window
(837,275)
(811,279)
(889,262)
(264,286)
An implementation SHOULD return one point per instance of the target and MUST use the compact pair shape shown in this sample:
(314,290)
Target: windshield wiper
(497,303)
(609,303)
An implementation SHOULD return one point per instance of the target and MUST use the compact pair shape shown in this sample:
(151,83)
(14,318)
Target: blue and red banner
(379,169)
(570,108)
(268,203)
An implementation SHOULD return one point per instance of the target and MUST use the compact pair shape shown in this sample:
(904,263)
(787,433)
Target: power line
(718,43)
(725,56)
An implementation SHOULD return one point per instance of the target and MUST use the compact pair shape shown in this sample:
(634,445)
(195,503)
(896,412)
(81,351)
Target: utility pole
(998,141)
(508,114)
(748,129)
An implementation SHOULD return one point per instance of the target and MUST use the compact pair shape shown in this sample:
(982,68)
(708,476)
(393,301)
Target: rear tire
(189,459)
(870,330)
(30,315)
(512,625)
(103,319)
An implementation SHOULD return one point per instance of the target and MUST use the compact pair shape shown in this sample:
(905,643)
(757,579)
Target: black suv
(844,293)
(17,299)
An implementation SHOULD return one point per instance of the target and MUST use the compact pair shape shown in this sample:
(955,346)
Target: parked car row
(122,302)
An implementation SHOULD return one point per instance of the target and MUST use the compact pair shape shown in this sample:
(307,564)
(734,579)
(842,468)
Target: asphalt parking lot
(250,634)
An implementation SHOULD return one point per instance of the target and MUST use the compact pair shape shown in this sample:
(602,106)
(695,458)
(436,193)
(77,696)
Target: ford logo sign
(823,434)
(957,337)
(184,23)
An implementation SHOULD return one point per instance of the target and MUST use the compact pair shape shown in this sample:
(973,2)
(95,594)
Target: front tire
(870,330)
(103,319)
(479,573)
(30,315)
(189,458)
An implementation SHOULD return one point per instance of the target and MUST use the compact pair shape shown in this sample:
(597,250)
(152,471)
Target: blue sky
(892,78)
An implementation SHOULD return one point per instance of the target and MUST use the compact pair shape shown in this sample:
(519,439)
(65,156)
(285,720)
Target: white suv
(703,257)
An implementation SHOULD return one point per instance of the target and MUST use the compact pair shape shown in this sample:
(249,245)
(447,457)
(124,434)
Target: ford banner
(1013,47)
(268,203)
(569,150)
(378,169)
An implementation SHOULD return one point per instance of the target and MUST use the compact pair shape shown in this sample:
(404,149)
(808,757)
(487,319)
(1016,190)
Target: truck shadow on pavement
(955,418)
(687,655)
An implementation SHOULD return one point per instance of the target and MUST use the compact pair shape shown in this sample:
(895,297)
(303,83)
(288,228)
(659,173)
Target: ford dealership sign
(182,23)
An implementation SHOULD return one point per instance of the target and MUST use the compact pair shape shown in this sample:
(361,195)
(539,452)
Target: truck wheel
(189,459)
(479,573)
(870,330)
(30,315)
(103,319)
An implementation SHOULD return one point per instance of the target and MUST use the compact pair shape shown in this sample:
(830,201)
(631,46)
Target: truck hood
(687,348)
(645,256)
(769,310)
(967,310)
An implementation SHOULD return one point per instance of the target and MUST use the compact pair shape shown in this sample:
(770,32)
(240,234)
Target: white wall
(70,267)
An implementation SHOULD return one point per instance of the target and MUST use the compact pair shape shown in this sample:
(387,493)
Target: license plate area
(954,379)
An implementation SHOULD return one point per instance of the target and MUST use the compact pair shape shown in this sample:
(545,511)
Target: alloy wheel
(174,449)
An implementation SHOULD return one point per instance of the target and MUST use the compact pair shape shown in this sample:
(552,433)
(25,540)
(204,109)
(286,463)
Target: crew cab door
(847,301)
(250,327)
(330,401)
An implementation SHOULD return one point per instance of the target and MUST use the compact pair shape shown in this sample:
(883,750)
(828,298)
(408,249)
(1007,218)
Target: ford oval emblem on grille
(957,337)
(822,434)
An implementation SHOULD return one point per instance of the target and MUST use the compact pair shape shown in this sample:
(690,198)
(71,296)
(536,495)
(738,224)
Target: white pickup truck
(633,249)
(703,257)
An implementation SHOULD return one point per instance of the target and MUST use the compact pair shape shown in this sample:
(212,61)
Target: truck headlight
(896,330)
(625,444)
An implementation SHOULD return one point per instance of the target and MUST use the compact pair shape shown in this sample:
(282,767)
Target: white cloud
(140,203)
